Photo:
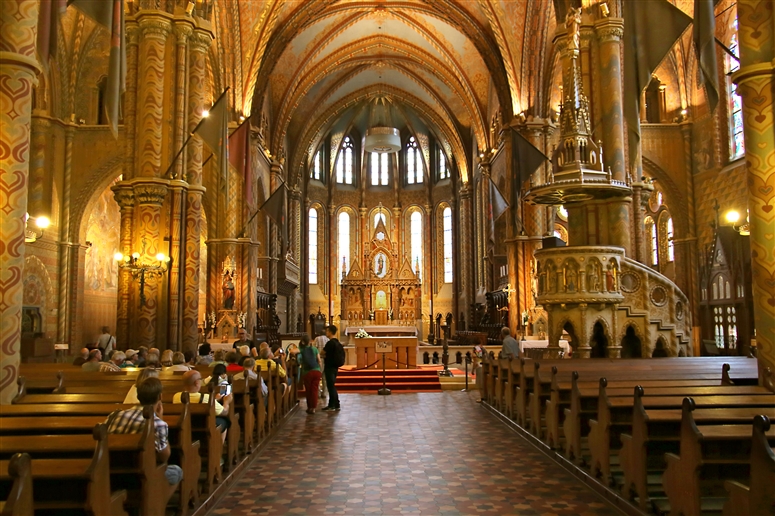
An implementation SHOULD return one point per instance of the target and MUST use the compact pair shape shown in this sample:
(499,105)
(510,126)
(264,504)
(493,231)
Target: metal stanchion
(384,391)
(465,361)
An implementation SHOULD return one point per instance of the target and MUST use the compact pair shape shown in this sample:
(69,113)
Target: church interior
(595,176)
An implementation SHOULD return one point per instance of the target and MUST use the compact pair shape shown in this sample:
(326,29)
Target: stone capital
(200,41)
(131,32)
(155,27)
(609,30)
(150,193)
(182,32)
(124,196)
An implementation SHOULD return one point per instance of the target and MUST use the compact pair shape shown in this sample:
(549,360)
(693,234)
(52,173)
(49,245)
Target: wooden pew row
(709,455)
(19,497)
(656,431)
(119,462)
(758,497)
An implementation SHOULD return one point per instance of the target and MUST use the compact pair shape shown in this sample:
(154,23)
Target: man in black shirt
(243,340)
(332,356)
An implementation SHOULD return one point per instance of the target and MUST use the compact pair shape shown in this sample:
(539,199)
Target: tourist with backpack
(334,358)
(309,359)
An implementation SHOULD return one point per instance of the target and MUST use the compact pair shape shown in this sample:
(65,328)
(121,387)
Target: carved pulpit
(384,290)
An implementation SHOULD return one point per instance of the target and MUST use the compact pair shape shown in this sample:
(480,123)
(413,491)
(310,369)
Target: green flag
(651,28)
(703,33)
(276,208)
(110,14)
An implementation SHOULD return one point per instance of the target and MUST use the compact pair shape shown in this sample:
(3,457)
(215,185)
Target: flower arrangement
(241,319)
(362,334)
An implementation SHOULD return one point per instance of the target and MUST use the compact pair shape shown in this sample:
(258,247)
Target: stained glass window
(651,229)
(442,161)
(415,227)
(313,246)
(379,168)
(317,166)
(344,163)
(670,245)
(736,140)
(447,224)
(414,168)
(343,256)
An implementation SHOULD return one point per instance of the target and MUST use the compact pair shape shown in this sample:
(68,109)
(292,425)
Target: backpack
(308,358)
(339,356)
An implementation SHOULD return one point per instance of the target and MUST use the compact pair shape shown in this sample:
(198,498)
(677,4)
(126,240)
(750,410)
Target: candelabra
(32,234)
(139,268)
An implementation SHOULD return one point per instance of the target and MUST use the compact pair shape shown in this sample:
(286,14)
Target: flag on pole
(214,131)
(650,31)
(239,157)
(110,14)
(526,159)
(498,206)
(703,33)
(276,208)
(48,28)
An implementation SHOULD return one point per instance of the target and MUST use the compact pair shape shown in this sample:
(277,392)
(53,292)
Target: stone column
(756,84)
(463,264)
(686,248)
(637,222)
(482,213)
(609,32)
(177,263)
(130,99)
(65,263)
(39,197)
(126,201)
(199,42)
(18,71)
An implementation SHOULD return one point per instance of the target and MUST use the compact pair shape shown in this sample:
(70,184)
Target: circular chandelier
(382,139)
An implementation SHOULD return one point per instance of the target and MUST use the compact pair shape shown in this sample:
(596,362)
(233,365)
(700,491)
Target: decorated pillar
(756,83)
(463,265)
(39,197)
(484,240)
(126,201)
(609,32)
(199,43)
(177,263)
(18,71)
(65,263)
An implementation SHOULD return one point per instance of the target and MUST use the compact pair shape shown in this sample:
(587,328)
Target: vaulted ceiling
(442,63)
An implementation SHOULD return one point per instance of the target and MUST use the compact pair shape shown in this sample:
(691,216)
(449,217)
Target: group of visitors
(327,353)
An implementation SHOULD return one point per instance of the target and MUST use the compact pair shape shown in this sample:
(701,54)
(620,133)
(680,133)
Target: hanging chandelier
(382,139)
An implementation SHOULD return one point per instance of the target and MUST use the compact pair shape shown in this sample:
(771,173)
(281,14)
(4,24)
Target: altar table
(404,355)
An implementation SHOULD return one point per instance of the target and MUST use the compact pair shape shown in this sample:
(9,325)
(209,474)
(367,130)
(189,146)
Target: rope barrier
(365,367)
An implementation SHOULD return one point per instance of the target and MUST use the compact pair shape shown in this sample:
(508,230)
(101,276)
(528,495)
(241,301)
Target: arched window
(651,231)
(736,140)
(442,162)
(316,171)
(415,227)
(670,245)
(414,169)
(379,168)
(447,225)
(313,246)
(343,256)
(345,163)
(379,216)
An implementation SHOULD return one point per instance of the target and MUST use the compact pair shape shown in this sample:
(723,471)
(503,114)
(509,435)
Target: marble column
(463,266)
(483,214)
(756,83)
(609,32)
(18,71)
(199,42)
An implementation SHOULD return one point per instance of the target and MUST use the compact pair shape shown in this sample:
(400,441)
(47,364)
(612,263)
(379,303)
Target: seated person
(219,357)
(142,356)
(82,357)
(131,421)
(267,363)
(205,356)
(219,372)
(166,358)
(153,360)
(131,358)
(190,357)
(243,339)
(232,357)
(192,384)
(114,364)
(131,396)
(248,367)
(93,363)
(244,352)
(178,362)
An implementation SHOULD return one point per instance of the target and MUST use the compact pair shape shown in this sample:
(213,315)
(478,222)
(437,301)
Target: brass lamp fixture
(139,268)
(733,217)
(34,228)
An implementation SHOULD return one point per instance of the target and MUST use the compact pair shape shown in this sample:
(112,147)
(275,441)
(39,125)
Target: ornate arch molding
(34,267)
(315,131)
(606,330)
(448,12)
(344,58)
(638,329)
(90,192)
(675,200)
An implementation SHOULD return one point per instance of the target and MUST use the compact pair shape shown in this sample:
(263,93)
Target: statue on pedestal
(228,291)
(573,25)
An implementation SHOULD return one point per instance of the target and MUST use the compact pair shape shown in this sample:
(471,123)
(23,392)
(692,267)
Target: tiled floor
(432,453)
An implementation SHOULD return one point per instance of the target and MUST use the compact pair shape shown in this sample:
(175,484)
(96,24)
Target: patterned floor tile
(418,454)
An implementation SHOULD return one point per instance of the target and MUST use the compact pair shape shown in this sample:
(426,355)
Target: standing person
(510,348)
(309,358)
(320,343)
(107,342)
(333,354)
(243,340)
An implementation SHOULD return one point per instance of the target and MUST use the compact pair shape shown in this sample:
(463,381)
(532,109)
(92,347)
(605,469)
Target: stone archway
(631,344)
(599,341)
(660,349)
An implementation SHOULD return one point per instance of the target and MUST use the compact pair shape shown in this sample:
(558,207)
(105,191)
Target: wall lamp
(733,217)
(139,269)
(34,227)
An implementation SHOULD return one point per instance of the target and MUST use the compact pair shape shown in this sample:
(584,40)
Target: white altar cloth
(393,329)
(523,344)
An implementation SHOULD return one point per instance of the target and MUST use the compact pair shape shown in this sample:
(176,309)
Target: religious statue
(573,25)
(552,283)
(379,269)
(571,280)
(592,279)
(228,291)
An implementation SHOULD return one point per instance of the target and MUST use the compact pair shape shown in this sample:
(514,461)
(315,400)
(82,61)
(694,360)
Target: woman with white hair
(131,396)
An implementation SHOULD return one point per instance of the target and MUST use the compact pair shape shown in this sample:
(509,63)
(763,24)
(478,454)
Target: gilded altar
(385,290)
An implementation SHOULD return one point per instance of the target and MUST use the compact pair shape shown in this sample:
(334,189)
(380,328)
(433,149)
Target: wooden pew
(713,452)
(759,496)
(655,431)
(19,501)
(615,415)
(244,408)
